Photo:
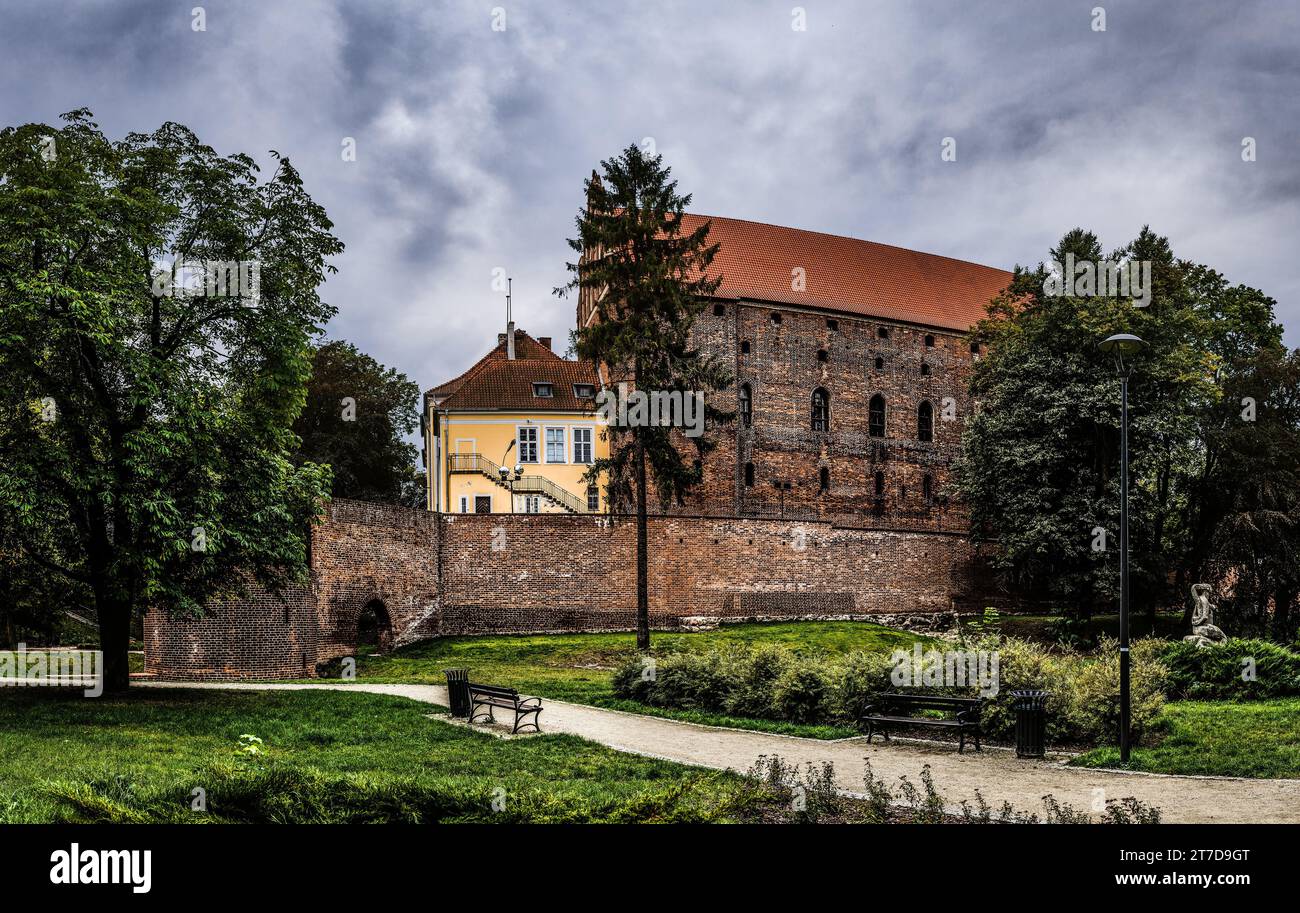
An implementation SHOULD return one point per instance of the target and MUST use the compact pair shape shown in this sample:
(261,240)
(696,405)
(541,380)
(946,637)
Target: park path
(997,773)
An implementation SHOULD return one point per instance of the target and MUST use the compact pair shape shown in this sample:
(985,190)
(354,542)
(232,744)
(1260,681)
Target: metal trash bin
(1031,723)
(458,691)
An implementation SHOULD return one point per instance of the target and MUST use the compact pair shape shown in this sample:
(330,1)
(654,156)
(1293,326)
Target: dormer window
(544,389)
(582,391)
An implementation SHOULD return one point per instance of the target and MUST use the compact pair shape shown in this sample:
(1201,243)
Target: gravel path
(998,774)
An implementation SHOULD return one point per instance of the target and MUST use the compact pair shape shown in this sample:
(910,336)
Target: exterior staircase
(524,485)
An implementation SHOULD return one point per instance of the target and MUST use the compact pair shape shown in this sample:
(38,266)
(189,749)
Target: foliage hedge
(1216,673)
(773,682)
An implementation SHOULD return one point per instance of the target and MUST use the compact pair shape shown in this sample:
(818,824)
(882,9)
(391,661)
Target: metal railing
(524,485)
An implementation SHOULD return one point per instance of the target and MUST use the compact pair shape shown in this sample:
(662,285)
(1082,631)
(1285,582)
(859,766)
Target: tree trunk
(642,548)
(114,642)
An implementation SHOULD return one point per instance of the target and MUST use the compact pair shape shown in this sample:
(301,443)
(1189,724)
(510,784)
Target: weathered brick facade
(433,574)
(782,356)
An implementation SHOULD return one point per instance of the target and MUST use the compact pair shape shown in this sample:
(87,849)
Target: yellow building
(515,433)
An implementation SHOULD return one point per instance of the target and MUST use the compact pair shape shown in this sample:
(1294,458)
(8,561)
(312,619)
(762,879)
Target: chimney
(510,340)
(545,342)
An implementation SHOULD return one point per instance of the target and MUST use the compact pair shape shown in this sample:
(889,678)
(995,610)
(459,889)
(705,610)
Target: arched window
(880,484)
(925,422)
(929,341)
(822,355)
(776,318)
(746,405)
(880,363)
(825,478)
(927,488)
(744,347)
(749,475)
(876,416)
(925,370)
(821,410)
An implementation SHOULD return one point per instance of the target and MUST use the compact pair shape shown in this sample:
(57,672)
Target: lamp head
(503,471)
(1122,346)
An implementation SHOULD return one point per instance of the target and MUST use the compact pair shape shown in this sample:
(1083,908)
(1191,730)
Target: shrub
(1026,666)
(754,678)
(1093,700)
(859,678)
(1215,673)
(803,693)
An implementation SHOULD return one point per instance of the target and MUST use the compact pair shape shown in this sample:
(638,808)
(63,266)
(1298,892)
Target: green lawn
(577,667)
(329,757)
(1246,739)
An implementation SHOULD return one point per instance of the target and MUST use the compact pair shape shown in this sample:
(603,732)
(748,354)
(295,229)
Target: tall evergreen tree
(648,280)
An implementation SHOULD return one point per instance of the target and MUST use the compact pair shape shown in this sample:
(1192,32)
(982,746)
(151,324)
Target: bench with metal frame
(493,696)
(893,710)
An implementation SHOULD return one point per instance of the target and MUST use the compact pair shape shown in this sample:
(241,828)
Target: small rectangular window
(582,445)
(543,390)
(528,445)
(464,505)
(584,391)
(593,498)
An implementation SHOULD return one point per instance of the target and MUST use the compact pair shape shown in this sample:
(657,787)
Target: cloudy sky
(472,141)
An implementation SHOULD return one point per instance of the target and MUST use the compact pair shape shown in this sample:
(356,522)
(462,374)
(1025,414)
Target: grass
(1247,739)
(329,756)
(577,667)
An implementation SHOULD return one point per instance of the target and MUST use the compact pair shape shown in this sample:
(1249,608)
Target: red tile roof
(496,382)
(848,275)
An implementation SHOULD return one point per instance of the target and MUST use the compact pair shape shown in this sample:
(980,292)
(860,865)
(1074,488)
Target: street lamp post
(1121,345)
(508,479)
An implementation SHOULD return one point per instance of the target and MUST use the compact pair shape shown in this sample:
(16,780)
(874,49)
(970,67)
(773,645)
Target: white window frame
(464,504)
(473,445)
(564,442)
(532,504)
(590,443)
(519,443)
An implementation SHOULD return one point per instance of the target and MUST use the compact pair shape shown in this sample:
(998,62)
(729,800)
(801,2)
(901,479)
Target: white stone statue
(1204,632)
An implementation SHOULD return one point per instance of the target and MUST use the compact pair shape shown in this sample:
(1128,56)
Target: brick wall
(786,360)
(553,573)
(258,636)
(431,575)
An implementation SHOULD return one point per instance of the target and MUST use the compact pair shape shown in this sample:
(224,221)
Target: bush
(859,679)
(754,679)
(802,694)
(1215,673)
(772,683)
(1093,699)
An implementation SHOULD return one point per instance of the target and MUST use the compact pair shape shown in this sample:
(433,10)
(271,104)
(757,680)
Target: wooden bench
(896,710)
(492,696)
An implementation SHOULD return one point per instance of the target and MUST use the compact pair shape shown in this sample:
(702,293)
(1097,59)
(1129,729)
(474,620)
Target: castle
(828,497)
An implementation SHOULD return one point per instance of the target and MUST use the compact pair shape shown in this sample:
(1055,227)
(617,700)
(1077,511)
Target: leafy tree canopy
(356,420)
(146,407)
